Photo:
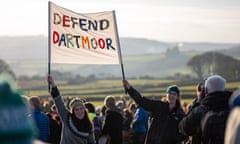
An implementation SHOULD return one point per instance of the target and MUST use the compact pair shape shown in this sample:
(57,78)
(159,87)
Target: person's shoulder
(200,109)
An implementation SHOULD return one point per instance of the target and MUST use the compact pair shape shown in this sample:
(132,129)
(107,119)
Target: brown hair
(35,101)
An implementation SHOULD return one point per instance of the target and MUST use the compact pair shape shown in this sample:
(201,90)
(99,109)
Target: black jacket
(163,127)
(190,125)
(112,125)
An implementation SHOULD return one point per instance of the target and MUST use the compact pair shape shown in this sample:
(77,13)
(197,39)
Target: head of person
(98,110)
(234,101)
(77,108)
(110,101)
(90,107)
(16,127)
(34,102)
(173,95)
(199,88)
(200,91)
(215,83)
(133,107)
(120,104)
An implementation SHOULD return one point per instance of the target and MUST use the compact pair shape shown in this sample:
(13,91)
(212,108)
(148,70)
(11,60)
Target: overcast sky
(163,20)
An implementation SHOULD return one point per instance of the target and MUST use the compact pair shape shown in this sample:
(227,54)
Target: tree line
(210,63)
(202,65)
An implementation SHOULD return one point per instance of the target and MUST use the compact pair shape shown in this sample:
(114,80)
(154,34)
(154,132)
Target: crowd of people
(212,117)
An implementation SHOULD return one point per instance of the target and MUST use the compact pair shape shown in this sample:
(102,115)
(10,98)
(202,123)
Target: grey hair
(215,83)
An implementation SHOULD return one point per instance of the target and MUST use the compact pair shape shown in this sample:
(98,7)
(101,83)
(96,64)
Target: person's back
(216,100)
(55,129)
(213,126)
(41,120)
(140,126)
(112,124)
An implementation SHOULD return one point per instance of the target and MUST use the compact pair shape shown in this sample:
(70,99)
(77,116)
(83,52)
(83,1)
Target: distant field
(96,91)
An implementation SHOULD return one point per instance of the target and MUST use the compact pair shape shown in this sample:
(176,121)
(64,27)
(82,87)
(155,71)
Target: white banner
(83,38)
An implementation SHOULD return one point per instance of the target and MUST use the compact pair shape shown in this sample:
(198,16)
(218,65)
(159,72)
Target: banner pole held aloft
(49,43)
(118,43)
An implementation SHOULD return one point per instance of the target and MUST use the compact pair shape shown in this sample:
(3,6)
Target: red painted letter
(55,37)
(65,21)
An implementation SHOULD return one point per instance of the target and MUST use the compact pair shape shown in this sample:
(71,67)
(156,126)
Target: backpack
(213,126)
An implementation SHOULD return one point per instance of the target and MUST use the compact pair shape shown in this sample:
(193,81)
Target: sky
(163,20)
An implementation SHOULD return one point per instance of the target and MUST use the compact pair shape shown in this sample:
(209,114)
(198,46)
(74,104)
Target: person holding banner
(77,127)
(165,116)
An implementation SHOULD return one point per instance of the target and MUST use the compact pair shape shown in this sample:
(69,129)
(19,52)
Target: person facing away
(112,124)
(216,99)
(165,116)
(77,128)
(41,119)
(139,125)
(200,94)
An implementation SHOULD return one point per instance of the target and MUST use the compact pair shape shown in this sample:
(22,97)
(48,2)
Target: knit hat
(74,103)
(16,127)
(173,88)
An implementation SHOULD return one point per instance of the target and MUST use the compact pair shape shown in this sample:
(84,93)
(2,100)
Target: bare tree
(215,63)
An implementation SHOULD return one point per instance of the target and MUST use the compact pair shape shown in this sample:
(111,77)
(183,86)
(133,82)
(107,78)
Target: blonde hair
(109,101)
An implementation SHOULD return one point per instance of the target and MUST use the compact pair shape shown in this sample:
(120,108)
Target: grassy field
(97,90)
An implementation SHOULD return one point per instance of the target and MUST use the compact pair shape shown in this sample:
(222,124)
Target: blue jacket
(140,121)
(42,124)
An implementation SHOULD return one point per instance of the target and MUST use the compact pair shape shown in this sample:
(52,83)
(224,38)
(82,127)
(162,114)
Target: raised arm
(147,104)
(62,109)
(54,90)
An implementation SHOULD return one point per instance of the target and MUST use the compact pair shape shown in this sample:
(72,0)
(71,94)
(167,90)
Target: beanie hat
(15,124)
(74,103)
(173,88)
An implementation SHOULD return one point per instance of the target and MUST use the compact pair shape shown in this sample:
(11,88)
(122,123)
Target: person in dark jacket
(216,98)
(200,94)
(112,124)
(165,116)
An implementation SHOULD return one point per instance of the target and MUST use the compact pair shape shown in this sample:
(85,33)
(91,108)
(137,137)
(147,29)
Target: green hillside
(95,91)
(156,65)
